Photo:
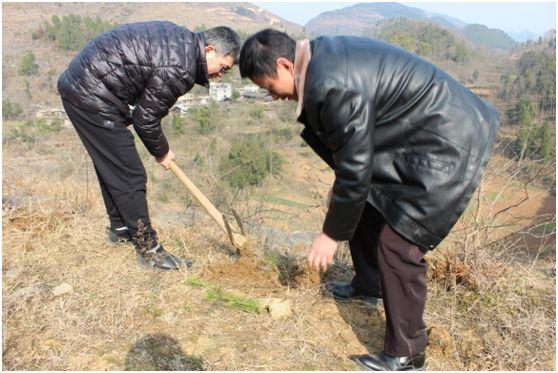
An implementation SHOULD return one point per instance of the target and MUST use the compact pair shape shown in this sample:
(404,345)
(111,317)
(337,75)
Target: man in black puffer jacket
(133,75)
(408,144)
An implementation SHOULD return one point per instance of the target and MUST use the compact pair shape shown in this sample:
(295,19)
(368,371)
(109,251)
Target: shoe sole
(142,263)
(365,367)
(117,243)
(373,303)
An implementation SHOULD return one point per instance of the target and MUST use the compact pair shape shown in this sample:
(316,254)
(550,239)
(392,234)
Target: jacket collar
(201,68)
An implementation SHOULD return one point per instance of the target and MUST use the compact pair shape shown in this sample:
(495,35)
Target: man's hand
(322,251)
(166,159)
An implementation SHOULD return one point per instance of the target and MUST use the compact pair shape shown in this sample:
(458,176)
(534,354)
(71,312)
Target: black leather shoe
(118,235)
(159,258)
(345,292)
(383,362)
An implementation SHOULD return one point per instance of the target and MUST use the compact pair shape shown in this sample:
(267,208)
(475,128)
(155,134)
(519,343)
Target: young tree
(28,66)
(525,117)
(10,110)
(546,140)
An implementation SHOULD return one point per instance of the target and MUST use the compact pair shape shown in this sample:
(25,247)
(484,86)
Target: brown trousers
(389,266)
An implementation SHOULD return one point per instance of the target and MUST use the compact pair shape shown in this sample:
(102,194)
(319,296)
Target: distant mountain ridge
(522,36)
(361,18)
(365,19)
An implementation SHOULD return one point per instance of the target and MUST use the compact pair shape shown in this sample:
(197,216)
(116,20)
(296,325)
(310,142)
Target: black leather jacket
(400,134)
(146,65)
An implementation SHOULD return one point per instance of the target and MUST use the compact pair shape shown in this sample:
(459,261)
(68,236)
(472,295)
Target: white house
(220,91)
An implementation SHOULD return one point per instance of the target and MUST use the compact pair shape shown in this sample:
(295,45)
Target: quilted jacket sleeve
(160,94)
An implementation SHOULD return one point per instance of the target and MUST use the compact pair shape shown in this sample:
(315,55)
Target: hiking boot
(118,235)
(385,362)
(344,292)
(159,258)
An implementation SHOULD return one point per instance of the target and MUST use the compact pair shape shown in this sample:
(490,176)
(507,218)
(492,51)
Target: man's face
(281,86)
(217,65)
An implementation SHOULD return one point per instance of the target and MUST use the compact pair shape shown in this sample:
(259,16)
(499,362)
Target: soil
(250,274)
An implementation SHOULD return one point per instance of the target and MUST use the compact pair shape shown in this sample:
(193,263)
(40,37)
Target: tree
(10,110)
(28,66)
(525,117)
(177,124)
(425,39)
(72,32)
(202,116)
(475,75)
(249,161)
(546,140)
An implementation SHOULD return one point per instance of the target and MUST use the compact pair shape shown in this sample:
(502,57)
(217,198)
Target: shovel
(238,240)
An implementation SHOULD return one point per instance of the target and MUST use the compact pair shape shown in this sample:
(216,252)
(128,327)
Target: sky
(536,17)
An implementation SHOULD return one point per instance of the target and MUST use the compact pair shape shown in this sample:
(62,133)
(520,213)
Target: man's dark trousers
(120,171)
(390,267)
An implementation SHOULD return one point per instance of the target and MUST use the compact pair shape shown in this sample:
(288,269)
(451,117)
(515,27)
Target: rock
(62,289)
(277,308)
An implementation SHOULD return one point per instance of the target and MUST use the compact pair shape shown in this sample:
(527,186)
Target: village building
(220,91)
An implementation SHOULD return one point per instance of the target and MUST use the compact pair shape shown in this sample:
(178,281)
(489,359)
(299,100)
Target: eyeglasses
(224,69)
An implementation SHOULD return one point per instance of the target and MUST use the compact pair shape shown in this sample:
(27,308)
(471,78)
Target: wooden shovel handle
(205,203)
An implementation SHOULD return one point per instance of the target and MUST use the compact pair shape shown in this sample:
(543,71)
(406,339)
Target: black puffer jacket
(145,65)
(399,133)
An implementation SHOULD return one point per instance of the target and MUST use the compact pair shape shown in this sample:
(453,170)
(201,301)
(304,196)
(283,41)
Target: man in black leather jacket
(408,145)
(133,75)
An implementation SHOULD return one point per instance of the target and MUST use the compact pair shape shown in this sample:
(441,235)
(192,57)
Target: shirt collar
(201,62)
(303,54)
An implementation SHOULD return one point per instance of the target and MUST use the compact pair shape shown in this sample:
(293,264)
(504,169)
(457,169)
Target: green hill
(426,39)
(491,38)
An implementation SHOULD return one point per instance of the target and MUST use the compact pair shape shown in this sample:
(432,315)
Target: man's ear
(209,49)
(285,63)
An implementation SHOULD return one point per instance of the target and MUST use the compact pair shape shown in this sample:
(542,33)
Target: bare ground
(491,307)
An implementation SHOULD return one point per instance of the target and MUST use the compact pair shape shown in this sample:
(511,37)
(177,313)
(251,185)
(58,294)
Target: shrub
(10,110)
(178,124)
(257,112)
(285,134)
(28,66)
(249,162)
(202,116)
(30,131)
(72,32)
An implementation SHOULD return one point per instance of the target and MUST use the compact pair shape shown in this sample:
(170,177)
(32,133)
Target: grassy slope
(491,286)
(491,306)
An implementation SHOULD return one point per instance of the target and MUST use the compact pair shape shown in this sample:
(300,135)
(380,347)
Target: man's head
(221,50)
(267,58)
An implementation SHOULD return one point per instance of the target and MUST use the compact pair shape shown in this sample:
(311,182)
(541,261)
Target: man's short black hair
(260,52)
(224,39)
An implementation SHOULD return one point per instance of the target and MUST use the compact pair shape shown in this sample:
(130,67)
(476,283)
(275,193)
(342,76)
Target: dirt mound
(254,275)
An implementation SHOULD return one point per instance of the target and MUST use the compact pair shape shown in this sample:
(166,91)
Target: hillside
(20,20)
(361,19)
(368,19)
(71,301)
(491,284)
(490,38)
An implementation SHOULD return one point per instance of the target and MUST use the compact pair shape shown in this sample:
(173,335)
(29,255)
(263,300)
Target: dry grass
(489,307)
